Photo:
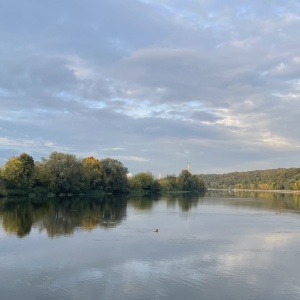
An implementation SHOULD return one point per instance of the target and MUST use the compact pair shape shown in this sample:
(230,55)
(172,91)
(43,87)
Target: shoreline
(249,190)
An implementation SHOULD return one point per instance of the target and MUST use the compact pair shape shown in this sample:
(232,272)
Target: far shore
(249,190)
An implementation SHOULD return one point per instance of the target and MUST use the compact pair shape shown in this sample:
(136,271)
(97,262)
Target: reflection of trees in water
(253,199)
(18,219)
(185,201)
(143,202)
(62,216)
(256,199)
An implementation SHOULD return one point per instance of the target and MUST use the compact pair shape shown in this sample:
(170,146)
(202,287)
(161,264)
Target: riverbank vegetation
(185,182)
(274,179)
(62,174)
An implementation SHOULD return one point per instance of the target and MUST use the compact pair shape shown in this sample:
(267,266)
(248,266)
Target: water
(217,246)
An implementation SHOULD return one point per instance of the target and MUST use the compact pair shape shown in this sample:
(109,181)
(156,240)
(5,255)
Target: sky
(155,84)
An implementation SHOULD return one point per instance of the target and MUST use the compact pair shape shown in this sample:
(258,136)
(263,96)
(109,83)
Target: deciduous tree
(65,172)
(18,171)
(92,172)
(114,176)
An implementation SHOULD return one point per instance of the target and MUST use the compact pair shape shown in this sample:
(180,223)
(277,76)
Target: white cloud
(219,80)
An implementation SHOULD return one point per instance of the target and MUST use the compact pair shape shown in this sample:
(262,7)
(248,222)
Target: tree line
(273,179)
(65,173)
(185,181)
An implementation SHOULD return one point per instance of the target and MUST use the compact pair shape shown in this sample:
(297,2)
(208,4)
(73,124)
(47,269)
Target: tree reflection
(62,216)
(143,202)
(186,201)
(18,219)
(257,199)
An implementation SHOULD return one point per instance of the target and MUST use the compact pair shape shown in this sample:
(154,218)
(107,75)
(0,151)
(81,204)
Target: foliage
(3,189)
(144,182)
(63,172)
(297,185)
(184,182)
(42,175)
(92,173)
(169,183)
(274,179)
(114,176)
(18,171)
(188,182)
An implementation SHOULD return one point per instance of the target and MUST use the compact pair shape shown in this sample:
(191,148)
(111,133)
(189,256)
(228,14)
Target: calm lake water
(215,246)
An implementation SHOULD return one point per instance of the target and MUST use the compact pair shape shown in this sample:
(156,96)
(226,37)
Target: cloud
(155,83)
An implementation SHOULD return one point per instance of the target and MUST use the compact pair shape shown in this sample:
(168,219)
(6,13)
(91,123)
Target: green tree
(27,163)
(114,176)
(197,183)
(3,190)
(297,185)
(145,182)
(42,175)
(64,172)
(184,181)
(169,183)
(11,172)
(188,182)
(92,173)
(18,171)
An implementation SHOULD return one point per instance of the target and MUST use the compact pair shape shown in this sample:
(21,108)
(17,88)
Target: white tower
(189,168)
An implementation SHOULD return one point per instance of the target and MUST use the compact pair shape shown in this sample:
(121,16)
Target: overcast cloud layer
(153,83)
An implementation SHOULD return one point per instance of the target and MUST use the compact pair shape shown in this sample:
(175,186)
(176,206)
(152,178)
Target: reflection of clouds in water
(279,239)
(190,271)
(230,261)
(93,274)
(256,255)
(248,258)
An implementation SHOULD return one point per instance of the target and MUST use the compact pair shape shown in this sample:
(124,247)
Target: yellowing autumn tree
(92,172)
(18,171)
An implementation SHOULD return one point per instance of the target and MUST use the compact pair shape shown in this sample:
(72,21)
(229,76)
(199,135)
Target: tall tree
(297,185)
(27,169)
(169,183)
(188,182)
(144,181)
(18,171)
(185,180)
(65,172)
(92,172)
(114,176)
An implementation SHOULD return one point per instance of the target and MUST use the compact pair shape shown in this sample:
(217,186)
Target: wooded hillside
(274,179)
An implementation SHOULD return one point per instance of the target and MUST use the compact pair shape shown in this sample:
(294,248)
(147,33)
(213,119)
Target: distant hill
(275,179)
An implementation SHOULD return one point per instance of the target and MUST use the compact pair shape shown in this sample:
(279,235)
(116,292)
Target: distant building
(129,175)
(189,167)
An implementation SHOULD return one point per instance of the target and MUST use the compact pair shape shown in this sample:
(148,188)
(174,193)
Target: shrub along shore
(65,174)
